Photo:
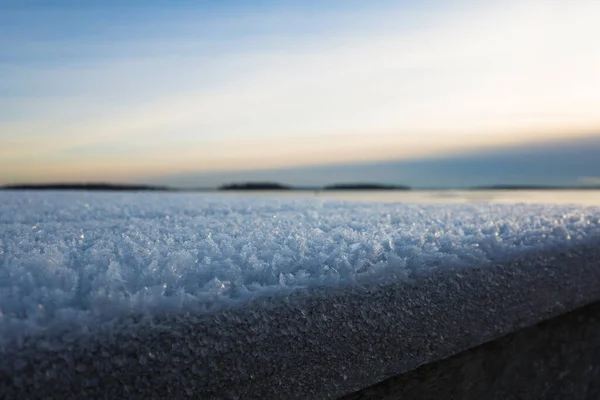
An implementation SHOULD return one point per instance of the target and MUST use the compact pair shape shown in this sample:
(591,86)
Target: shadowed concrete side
(555,359)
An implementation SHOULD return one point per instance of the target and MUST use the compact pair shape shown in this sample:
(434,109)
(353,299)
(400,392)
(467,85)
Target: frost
(72,257)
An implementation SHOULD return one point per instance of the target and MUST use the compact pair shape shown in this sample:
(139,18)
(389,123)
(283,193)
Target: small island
(254,186)
(364,186)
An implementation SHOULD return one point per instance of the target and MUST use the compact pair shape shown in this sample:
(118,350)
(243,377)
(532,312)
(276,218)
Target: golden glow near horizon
(505,74)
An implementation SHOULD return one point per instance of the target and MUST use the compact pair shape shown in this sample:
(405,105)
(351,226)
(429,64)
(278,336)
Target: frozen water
(150,295)
(78,257)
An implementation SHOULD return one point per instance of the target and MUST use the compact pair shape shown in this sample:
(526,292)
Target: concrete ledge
(315,344)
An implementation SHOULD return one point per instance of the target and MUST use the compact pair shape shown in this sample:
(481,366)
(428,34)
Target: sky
(566,162)
(195,92)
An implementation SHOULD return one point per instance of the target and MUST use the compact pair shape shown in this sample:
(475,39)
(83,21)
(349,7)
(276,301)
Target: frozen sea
(582,197)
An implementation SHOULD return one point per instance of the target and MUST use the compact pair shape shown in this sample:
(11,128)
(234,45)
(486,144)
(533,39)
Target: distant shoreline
(254,186)
(364,186)
(272,186)
(87,187)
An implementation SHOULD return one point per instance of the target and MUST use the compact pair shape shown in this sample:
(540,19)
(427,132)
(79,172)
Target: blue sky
(154,90)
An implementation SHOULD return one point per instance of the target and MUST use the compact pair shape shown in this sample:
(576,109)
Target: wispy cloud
(558,162)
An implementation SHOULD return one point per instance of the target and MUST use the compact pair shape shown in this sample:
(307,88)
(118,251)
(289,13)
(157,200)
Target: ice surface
(71,256)
(302,293)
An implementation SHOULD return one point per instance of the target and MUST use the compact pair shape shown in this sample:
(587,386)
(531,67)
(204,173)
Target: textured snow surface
(77,257)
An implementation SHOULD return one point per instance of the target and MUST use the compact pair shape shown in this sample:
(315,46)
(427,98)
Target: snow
(68,257)
(314,297)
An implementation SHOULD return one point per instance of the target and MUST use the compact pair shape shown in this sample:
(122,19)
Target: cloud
(559,162)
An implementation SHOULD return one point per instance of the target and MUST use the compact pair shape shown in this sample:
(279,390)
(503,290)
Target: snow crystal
(76,265)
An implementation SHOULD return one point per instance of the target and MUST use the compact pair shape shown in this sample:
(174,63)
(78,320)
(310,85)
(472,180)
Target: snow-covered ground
(294,280)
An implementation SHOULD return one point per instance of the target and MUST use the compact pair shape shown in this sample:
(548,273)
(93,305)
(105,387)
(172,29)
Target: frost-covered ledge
(293,299)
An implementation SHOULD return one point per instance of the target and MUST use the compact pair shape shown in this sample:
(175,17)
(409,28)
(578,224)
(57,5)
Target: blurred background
(428,94)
